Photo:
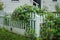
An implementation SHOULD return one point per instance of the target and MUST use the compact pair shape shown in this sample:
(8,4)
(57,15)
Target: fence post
(37,26)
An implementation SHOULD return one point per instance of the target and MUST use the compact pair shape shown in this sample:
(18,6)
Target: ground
(6,35)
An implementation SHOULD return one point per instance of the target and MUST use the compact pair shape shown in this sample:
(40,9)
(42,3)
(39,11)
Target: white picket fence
(19,27)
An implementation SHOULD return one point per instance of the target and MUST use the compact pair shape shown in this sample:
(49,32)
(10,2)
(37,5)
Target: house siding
(10,6)
(49,4)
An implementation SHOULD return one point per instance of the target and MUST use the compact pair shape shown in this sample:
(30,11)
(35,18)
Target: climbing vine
(23,12)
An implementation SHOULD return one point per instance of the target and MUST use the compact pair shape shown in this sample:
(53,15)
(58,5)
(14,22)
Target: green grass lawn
(6,35)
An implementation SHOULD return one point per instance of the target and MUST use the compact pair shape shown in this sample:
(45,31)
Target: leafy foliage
(1,6)
(57,24)
(23,12)
(31,34)
(57,8)
(49,29)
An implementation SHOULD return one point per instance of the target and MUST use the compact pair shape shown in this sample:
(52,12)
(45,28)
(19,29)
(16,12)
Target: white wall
(9,5)
(50,4)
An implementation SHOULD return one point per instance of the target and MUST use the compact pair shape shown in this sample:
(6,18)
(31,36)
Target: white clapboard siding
(10,6)
(49,4)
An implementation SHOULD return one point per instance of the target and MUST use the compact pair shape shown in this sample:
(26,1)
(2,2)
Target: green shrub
(50,29)
(1,6)
(57,24)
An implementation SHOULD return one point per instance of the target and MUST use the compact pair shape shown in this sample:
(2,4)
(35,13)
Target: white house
(10,5)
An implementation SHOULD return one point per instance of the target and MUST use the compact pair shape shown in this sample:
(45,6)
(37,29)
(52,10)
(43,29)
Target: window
(15,0)
(54,0)
(38,2)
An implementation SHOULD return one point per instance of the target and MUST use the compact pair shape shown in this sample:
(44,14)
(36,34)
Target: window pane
(15,0)
(54,0)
